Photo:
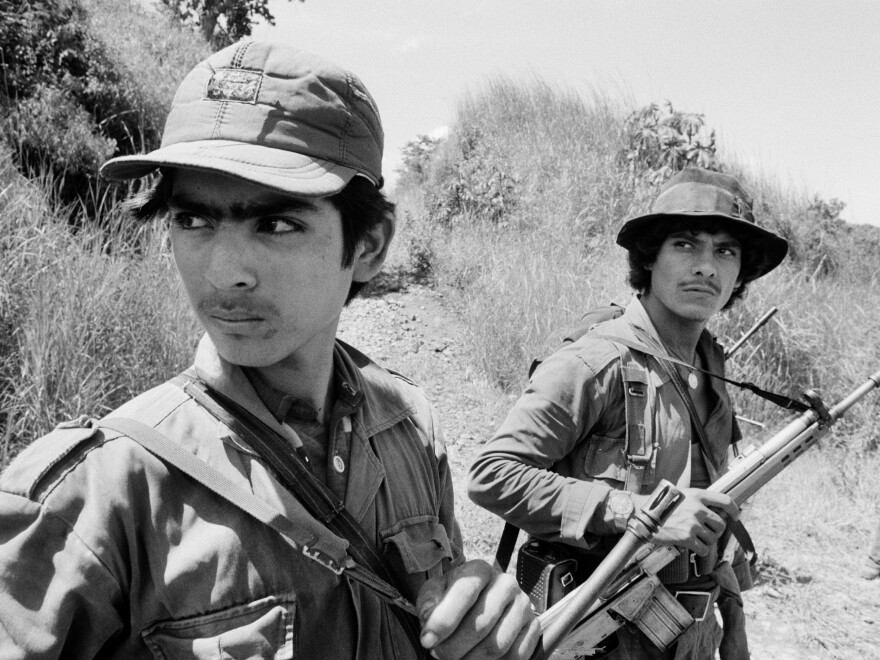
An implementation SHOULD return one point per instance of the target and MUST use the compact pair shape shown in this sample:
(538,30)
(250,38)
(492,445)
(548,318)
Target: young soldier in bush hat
(270,170)
(563,467)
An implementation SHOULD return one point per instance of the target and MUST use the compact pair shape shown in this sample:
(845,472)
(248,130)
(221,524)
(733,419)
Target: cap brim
(279,169)
(775,247)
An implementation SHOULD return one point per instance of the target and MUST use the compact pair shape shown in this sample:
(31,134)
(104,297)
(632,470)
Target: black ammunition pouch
(546,572)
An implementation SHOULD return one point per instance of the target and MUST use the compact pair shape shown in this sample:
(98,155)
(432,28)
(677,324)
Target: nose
(230,265)
(704,262)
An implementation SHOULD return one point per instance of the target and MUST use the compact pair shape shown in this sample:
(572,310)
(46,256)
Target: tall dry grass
(525,275)
(87,319)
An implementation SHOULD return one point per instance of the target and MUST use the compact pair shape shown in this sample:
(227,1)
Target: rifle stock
(636,565)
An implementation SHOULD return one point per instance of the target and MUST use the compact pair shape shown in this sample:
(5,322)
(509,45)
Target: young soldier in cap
(565,467)
(270,173)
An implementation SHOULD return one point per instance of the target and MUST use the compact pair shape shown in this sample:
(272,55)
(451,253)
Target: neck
(306,378)
(679,335)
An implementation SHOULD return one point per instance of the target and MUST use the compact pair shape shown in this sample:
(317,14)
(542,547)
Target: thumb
(430,595)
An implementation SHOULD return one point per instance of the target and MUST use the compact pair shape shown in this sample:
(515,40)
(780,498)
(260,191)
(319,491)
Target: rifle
(583,618)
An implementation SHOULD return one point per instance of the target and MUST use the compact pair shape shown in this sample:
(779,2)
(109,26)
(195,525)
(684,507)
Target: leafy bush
(221,22)
(474,186)
(663,141)
(70,100)
(56,137)
(416,156)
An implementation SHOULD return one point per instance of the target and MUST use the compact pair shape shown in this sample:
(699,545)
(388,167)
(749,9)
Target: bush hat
(695,192)
(271,114)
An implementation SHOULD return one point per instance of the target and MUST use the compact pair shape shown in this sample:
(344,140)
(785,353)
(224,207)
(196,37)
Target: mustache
(711,284)
(245,306)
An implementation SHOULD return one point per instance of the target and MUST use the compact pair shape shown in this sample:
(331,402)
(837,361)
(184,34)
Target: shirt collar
(347,392)
(360,386)
(637,316)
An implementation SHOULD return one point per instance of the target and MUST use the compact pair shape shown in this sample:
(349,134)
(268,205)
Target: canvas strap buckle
(697,603)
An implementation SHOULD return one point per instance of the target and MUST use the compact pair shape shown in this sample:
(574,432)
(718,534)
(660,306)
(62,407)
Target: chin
(697,314)
(247,351)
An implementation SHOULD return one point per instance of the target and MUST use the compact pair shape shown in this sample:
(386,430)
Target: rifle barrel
(748,333)
(756,468)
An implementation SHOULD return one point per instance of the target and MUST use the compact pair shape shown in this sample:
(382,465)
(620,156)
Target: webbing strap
(639,431)
(195,468)
(505,546)
(735,526)
(296,476)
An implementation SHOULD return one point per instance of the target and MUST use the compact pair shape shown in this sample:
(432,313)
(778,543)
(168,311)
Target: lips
(233,315)
(702,287)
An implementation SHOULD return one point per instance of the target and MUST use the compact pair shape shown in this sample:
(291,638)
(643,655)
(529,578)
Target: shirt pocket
(259,630)
(422,548)
(605,458)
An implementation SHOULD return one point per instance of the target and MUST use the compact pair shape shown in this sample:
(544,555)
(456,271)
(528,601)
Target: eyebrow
(241,209)
(691,234)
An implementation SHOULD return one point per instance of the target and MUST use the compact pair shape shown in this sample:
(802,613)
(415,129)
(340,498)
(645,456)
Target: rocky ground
(808,608)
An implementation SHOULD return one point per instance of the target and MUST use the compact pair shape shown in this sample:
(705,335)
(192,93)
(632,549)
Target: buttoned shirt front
(106,551)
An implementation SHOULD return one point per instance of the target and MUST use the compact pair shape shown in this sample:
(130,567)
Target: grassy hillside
(86,319)
(516,214)
(82,80)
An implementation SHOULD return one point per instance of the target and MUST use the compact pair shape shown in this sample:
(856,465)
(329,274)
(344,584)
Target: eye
(728,251)
(280,225)
(187,221)
(682,243)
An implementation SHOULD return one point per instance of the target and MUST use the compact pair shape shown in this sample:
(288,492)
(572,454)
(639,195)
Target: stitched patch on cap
(234,85)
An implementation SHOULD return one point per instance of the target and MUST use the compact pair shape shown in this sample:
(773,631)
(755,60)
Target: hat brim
(279,169)
(774,246)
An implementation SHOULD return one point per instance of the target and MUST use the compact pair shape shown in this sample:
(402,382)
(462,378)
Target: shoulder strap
(192,466)
(297,477)
(640,441)
(639,425)
(735,526)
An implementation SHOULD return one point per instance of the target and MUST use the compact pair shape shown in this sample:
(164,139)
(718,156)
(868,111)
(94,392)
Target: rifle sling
(192,466)
(506,545)
(320,501)
(779,399)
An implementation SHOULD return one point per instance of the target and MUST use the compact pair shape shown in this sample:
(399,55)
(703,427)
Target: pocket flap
(262,629)
(605,458)
(421,546)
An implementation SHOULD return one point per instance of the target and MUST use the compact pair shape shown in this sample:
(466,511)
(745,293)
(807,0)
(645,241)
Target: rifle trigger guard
(816,404)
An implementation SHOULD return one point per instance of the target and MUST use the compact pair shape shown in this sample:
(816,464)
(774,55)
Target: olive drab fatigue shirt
(562,448)
(106,552)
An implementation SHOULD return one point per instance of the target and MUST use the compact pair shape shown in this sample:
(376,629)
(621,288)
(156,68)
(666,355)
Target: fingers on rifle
(722,503)
(714,523)
(457,607)
(503,625)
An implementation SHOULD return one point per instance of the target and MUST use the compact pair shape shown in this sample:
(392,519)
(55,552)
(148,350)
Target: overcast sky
(792,86)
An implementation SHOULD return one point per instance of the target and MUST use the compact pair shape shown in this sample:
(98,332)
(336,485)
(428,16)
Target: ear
(373,249)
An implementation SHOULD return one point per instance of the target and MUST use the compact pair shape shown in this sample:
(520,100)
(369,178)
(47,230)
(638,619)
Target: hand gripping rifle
(625,584)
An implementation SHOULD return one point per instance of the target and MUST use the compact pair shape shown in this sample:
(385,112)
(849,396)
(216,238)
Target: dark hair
(361,205)
(644,251)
